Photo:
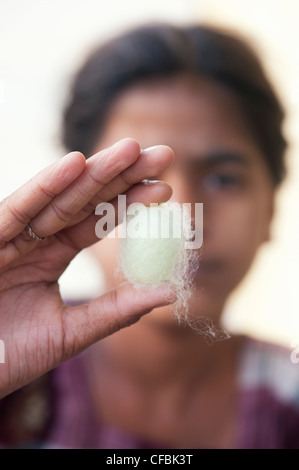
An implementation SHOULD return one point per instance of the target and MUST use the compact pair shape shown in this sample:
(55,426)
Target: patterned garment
(267,408)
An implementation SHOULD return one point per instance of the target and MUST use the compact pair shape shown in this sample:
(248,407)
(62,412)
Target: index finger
(21,206)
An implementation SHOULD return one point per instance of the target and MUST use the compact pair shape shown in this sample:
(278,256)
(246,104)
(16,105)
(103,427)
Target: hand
(39,331)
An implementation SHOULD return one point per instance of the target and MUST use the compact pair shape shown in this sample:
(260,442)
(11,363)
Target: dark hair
(162,50)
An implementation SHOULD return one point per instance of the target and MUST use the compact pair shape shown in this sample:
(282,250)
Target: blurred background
(42,43)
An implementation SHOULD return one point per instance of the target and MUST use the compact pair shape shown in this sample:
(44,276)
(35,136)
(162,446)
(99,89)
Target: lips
(205,267)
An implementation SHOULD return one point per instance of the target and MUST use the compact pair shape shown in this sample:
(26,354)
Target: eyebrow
(222,157)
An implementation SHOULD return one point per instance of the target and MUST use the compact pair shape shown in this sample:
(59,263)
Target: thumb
(120,307)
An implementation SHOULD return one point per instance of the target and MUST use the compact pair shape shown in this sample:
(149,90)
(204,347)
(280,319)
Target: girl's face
(217,163)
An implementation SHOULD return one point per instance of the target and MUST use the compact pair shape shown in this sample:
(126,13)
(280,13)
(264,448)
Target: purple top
(75,424)
(267,414)
(56,410)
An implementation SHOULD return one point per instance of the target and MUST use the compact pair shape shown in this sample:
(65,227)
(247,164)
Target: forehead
(184,112)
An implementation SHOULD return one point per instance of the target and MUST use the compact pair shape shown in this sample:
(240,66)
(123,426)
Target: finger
(100,169)
(88,232)
(118,308)
(20,207)
(84,234)
(152,162)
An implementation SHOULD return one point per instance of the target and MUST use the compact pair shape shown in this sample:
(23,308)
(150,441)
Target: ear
(269,218)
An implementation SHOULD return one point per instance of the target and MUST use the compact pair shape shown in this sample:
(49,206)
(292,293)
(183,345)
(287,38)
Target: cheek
(235,228)
(242,228)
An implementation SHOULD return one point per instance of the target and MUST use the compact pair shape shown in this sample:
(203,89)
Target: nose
(182,192)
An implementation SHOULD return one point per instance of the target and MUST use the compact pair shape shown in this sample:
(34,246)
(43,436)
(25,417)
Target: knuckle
(126,179)
(21,217)
(116,323)
(46,191)
(61,213)
(97,180)
(107,193)
(89,207)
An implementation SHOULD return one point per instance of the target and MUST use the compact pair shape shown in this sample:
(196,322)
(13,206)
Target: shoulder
(268,396)
(271,367)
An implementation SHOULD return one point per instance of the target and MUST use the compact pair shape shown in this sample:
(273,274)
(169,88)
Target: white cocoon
(153,251)
(154,245)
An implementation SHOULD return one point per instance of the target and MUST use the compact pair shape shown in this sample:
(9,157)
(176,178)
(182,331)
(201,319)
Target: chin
(203,303)
(163,317)
(164,320)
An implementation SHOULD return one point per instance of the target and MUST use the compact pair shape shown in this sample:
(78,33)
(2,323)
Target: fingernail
(146,181)
(65,157)
(69,155)
(149,149)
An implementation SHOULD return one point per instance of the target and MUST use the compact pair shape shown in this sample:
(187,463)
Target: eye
(222,181)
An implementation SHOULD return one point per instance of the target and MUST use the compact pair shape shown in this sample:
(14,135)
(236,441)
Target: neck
(156,350)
